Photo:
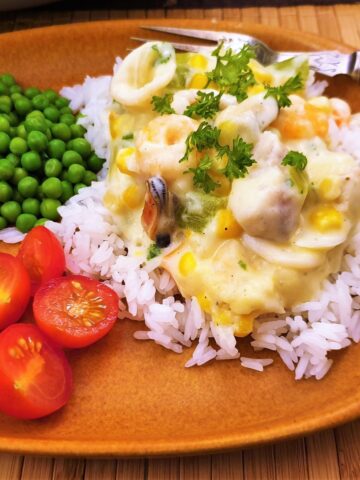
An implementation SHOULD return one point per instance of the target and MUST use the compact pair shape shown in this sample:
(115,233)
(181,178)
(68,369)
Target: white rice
(303,340)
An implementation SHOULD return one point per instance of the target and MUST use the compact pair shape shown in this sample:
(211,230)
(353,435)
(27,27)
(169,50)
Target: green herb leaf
(295,159)
(201,178)
(128,136)
(232,72)
(281,93)
(162,105)
(205,106)
(242,265)
(161,57)
(239,158)
(205,137)
(153,251)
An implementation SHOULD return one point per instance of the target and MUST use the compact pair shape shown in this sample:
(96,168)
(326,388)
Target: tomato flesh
(42,255)
(14,289)
(35,376)
(75,311)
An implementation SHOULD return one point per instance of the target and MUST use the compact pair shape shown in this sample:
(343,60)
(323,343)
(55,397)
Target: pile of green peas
(44,157)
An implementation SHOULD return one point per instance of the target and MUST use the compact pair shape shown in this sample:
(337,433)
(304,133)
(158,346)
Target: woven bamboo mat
(332,454)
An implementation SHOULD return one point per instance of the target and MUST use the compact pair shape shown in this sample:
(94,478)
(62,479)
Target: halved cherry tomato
(75,311)
(14,289)
(42,255)
(35,376)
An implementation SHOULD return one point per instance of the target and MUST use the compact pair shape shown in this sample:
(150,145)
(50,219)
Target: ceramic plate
(135,398)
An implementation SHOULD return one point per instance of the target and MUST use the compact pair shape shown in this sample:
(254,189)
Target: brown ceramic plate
(135,398)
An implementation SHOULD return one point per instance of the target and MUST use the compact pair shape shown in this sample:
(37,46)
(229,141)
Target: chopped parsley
(161,57)
(205,137)
(153,251)
(239,158)
(205,106)
(281,93)
(232,72)
(162,105)
(295,159)
(242,265)
(128,136)
(201,177)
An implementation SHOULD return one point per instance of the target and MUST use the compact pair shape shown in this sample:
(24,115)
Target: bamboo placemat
(332,454)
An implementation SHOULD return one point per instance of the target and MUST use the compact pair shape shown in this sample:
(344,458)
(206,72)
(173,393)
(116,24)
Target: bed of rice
(303,339)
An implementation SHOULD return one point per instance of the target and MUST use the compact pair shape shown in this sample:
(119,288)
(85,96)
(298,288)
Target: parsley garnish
(239,157)
(128,136)
(161,57)
(242,265)
(201,176)
(281,93)
(205,137)
(153,251)
(232,72)
(162,105)
(205,106)
(295,159)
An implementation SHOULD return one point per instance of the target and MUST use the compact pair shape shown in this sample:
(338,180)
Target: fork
(327,62)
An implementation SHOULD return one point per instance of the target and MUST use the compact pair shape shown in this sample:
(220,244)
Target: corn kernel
(226,225)
(199,80)
(121,159)
(329,189)
(260,73)
(255,89)
(325,218)
(244,325)
(187,264)
(198,61)
(228,131)
(204,302)
(133,196)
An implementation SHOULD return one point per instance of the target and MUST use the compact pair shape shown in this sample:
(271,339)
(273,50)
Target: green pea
(51,95)
(89,177)
(4,125)
(95,163)
(77,131)
(31,92)
(4,90)
(28,186)
(78,187)
(62,131)
(40,194)
(52,113)
(52,188)
(25,222)
(64,110)
(8,79)
(5,104)
(15,89)
(68,191)
(31,161)
(6,169)
(49,123)
(53,167)
(18,145)
(31,205)
(67,118)
(49,134)
(13,119)
(69,145)
(6,192)
(21,131)
(16,96)
(3,223)
(14,159)
(36,124)
(10,211)
(81,146)
(61,102)
(13,132)
(76,173)
(64,175)
(56,148)
(4,142)
(37,114)
(37,141)
(70,158)
(19,174)
(23,106)
(40,102)
(17,197)
(48,208)
(41,222)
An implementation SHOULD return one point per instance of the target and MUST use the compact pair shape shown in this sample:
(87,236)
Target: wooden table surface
(331,454)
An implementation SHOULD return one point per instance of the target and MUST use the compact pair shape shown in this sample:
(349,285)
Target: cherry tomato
(14,289)
(75,311)
(35,376)
(42,255)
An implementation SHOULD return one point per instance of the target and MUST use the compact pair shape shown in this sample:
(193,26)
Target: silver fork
(328,62)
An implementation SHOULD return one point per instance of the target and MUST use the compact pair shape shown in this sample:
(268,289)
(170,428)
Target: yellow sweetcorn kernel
(329,189)
(255,89)
(226,225)
(198,61)
(122,157)
(187,264)
(260,73)
(133,196)
(325,218)
(204,302)
(199,80)
(244,325)
(228,131)
(115,125)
